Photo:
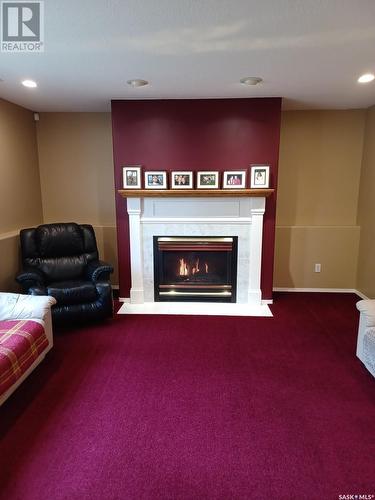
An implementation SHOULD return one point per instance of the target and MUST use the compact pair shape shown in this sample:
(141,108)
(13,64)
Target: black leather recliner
(62,260)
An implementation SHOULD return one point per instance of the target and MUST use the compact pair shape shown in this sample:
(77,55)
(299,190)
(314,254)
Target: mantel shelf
(194,193)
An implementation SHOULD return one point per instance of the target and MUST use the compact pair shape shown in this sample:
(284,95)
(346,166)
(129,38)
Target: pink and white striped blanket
(21,342)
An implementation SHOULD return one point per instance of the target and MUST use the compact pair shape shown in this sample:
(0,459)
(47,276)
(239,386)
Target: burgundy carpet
(165,407)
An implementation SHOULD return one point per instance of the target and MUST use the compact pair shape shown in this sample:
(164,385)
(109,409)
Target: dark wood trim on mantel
(194,193)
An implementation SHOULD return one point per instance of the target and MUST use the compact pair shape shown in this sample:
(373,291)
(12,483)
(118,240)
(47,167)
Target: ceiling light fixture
(29,84)
(137,82)
(251,80)
(366,78)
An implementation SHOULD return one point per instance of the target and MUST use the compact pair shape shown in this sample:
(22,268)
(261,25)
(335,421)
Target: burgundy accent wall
(207,134)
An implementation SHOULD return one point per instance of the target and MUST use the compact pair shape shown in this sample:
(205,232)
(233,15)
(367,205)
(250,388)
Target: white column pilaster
(258,206)
(136,250)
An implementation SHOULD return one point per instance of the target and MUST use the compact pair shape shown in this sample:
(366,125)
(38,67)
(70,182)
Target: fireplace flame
(184,269)
(196,267)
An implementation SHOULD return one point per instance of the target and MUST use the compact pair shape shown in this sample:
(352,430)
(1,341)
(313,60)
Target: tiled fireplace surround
(190,216)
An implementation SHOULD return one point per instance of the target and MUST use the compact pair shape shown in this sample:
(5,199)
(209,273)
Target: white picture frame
(155,179)
(207,179)
(259,176)
(182,179)
(131,177)
(234,179)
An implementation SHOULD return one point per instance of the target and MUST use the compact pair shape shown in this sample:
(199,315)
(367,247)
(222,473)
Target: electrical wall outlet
(318,268)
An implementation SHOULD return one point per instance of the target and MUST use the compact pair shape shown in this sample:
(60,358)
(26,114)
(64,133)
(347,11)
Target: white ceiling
(308,51)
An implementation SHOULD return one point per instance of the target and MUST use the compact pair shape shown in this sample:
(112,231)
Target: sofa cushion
(72,292)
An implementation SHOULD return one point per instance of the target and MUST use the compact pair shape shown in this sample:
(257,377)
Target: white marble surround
(224,216)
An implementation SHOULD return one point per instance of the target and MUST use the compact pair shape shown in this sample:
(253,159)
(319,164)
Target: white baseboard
(321,290)
(362,295)
(298,290)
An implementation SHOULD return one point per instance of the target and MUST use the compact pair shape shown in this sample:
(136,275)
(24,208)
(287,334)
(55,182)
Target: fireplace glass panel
(200,269)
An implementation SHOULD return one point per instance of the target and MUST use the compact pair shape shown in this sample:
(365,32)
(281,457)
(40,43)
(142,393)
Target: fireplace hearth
(200,269)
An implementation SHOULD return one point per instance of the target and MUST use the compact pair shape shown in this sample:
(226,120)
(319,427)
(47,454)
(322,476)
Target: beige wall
(20,194)
(76,167)
(76,170)
(318,198)
(366,211)
(20,197)
(319,175)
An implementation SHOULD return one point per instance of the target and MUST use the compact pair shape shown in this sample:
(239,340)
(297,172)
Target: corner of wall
(365,210)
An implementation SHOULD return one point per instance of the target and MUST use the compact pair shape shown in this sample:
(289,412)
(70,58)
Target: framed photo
(131,177)
(260,176)
(181,179)
(207,179)
(234,179)
(156,180)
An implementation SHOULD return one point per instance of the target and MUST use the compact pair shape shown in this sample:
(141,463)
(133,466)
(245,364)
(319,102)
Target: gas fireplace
(195,268)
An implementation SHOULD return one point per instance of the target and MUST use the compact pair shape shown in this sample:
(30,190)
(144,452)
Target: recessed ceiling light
(29,84)
(137,82)
(251,80)
(366,78)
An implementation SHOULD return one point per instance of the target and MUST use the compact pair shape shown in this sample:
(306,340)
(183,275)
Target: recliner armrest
(30,278)
(367,308)
(38,290)
(98,271)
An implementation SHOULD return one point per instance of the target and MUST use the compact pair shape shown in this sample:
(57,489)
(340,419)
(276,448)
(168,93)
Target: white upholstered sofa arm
(14,306)
(366,334)
(367,310)
(17,306)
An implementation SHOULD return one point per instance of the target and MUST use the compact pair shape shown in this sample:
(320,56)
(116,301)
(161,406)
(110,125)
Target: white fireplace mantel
(225,215)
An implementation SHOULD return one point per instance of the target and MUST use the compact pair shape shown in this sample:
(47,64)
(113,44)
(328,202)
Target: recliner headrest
(58,240)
